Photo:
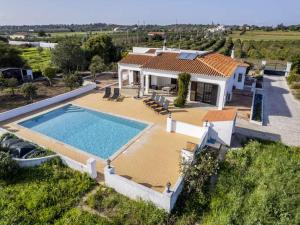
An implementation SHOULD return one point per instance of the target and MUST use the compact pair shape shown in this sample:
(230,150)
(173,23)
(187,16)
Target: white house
(213,75)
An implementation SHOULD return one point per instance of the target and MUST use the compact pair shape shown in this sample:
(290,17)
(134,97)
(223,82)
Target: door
(204,92)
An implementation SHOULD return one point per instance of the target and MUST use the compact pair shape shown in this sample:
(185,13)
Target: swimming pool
(97,133)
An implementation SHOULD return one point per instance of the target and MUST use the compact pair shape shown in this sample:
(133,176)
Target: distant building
(19,35)
(153,34)
(220,28)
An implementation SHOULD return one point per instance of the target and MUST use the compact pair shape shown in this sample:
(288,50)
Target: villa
(213,76)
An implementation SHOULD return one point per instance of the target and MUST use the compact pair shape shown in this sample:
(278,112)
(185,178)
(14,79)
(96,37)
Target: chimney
(232,53)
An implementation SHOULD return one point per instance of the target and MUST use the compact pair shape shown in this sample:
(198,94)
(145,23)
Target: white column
(120,78)
(142,84)
(91,168)
(147,84)
(221,96)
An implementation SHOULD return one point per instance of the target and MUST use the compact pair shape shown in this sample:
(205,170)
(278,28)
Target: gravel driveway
(281,114)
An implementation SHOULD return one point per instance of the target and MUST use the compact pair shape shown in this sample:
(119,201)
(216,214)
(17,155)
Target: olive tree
(49,73)
(12,83)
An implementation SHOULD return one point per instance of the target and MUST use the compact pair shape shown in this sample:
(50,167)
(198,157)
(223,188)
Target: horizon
(133,12)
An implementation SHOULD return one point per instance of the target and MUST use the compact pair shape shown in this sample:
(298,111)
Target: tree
(103,46)
(3,82)
(68,56)
(10,56)
(49,73)
(41,33)
(97,66)
(29,91)
(8,166)
(296,64)
(72,80)
(183,86)
(12,83)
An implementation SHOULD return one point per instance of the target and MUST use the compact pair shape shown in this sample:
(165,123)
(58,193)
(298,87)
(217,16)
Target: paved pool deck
(152,160)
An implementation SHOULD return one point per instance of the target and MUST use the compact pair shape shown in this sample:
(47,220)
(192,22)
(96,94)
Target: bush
(8,166)
(49,73)
(12,83)
(295,85)
(29,91)
(183,83)
(72,80)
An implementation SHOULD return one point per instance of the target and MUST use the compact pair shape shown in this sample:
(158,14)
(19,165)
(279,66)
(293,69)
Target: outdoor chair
(158,104)
(164,108)
(107,92)
(156,100)
(116,94)
(151,98)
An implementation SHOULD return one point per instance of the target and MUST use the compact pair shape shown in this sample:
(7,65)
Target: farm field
(266,35)
(35,59)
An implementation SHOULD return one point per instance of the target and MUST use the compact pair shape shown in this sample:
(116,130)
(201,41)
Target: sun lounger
(164,108)
(158,104)
(156,100)
(151,98)
(107,92)
(116,94)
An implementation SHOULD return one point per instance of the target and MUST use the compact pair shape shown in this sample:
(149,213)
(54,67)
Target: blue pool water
(94,132)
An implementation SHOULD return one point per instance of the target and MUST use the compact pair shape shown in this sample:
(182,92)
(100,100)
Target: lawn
(258,184)
(36,59)
(41,195)
(266,35)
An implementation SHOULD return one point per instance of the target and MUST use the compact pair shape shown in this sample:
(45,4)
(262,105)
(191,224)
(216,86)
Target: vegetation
(72,80)
(41,195)
(49,73)
(257,185)
(29,91)
(10,56)
(68,56)
(11,83)
(8,167)
(97,66)
(36,58)
(183,86)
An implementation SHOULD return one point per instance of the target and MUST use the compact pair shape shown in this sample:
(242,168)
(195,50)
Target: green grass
(258,184)
(41,195)
(266,36)
(35,59)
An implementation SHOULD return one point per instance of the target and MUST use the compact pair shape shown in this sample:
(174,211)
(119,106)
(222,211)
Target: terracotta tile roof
(224,64)
(136,59)
(220,115)
(213,64)
(171,62)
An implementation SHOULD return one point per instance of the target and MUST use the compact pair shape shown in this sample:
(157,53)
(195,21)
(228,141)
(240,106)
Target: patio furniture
(158,104)
(116,94)
(151,98)
(107,92)
(156,100)
(164,108)
(166,89)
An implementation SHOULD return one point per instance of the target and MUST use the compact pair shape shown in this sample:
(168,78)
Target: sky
(259,12)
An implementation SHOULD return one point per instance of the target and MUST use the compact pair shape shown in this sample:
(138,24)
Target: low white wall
(221,131)
(89,168)
(49,101)
(33,162)
(137,191)
(35,44)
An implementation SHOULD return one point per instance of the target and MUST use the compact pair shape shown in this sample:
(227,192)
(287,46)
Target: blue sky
(260,12)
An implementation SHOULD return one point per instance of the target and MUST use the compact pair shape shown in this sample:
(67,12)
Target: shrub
(183,83)
(12,83)
(97,66)
(29,91)
(291,78)
(295,85)
(49,73)
(72,80)
(8,167)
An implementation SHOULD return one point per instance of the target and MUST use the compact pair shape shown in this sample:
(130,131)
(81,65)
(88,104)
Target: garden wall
(49,101)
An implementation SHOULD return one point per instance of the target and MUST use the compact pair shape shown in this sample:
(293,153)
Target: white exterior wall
(221,131)
(240,85)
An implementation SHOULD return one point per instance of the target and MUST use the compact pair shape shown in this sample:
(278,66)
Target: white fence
(133,190)
(49,101)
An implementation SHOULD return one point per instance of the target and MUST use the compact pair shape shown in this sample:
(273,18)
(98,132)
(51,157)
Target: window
(240,77)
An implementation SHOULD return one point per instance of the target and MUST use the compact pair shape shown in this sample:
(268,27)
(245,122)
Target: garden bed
(257,109)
